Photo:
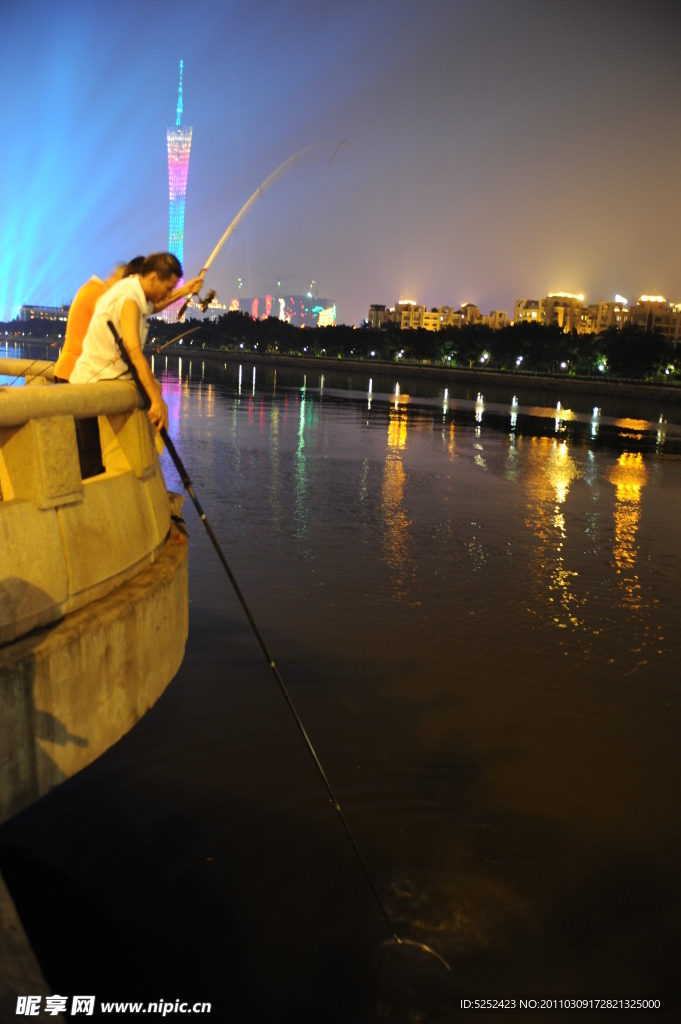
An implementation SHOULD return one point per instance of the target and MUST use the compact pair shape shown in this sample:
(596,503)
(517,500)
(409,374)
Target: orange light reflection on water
(629,477)
(396,538)
(549,472)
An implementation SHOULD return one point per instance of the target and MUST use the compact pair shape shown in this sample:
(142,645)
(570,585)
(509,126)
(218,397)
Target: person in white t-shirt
(128,304)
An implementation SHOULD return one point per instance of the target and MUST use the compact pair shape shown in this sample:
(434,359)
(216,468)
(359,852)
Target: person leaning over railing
(80,315)
(127,304)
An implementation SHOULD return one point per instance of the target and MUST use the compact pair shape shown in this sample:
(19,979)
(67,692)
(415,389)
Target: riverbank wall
(564,384)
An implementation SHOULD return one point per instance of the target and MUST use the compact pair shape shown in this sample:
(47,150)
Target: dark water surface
(479,621)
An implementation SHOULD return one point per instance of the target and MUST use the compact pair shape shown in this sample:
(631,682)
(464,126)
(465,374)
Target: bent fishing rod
(187,484)
(287,165)
(159,348)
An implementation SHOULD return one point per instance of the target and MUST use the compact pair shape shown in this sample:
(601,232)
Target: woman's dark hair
(134,266)
(163,263)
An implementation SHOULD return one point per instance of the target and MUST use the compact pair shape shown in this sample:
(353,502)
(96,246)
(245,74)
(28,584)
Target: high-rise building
(179,145)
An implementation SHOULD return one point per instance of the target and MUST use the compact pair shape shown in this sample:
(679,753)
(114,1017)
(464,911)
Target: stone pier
(93,599)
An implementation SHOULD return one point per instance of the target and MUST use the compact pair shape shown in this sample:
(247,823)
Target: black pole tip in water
(412,977)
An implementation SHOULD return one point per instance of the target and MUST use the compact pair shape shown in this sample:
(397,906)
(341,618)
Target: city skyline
(484,163)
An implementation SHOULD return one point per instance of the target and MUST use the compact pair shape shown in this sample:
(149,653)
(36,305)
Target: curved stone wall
(63,541)
(70,691)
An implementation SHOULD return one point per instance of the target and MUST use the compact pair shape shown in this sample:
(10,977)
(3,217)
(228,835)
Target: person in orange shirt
(80,315)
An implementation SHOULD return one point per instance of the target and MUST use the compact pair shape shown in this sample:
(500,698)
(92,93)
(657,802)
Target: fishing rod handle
(185,305)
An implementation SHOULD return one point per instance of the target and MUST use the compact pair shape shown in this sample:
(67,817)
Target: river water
(475,606)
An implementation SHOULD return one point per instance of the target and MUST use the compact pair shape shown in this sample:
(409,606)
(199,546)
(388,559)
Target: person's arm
(130,332)
(190,288)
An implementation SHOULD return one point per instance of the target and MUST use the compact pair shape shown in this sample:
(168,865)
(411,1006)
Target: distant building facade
(611,314)
(654,313)
(530,311)
(27,312)
(565,311)
(497,319)
(327,317)
(377,316)
(410,316)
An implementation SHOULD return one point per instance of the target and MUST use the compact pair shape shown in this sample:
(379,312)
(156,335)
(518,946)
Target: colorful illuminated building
(179,145)
(299,310)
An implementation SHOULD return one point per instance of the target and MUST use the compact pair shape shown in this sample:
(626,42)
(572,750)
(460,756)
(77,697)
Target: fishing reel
(202,303)
(206,301)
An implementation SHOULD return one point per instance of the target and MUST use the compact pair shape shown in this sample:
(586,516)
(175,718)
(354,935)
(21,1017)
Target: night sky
(498,148)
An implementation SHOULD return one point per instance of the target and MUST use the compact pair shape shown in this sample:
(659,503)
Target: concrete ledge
(33,370)
(69,692)
(105,398)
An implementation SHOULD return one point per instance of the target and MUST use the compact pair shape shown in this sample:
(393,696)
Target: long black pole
(187,484)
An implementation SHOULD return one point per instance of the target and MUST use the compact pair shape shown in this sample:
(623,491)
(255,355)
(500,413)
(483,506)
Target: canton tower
(179,145)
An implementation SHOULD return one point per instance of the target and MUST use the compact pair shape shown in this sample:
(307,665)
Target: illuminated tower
(179,145)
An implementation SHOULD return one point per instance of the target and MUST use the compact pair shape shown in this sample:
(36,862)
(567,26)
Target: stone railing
(34,371)
(63,541)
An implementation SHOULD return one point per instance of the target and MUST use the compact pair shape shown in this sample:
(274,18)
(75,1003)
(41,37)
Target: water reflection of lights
(479,408)
(594,421)
(396,521)
(301,474)
(452,441)
(629,476)
(239,381)
(397,430)
(551,473)
(171,389)
(397,395)
(253,392)
(274,482)
(561,416)
(629,424)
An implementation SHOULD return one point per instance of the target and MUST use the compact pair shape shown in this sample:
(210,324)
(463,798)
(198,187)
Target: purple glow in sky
(497,149)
